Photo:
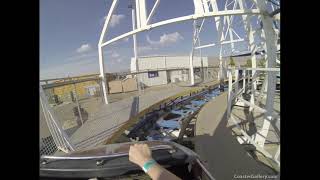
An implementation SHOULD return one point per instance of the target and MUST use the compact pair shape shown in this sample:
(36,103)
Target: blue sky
(70,31)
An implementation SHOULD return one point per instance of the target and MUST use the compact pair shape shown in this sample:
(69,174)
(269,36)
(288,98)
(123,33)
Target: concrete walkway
(251,122)
(108,118)
(218,148)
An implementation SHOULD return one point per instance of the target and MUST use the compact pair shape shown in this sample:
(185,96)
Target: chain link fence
(74,100)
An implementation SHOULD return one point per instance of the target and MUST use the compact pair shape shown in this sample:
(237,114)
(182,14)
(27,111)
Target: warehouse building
(159,70)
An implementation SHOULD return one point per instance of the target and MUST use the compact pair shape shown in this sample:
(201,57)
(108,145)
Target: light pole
(135,51)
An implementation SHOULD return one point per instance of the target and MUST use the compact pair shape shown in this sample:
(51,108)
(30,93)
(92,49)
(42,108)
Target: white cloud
(81,56)
(114,62)
(115,54)
(115,19)
(126,39)
(84,48)
(142,49)
(166,39)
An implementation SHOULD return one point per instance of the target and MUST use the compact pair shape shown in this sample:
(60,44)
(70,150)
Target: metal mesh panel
(74,100)
(59,137)
(47,146)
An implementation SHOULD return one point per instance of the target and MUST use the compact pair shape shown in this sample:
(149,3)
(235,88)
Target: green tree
(249,63)
(231,63)
(262,63)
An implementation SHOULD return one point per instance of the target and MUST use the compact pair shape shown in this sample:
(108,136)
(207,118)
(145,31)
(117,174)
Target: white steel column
(199,44)
(191,68)
(230,94)
(191,54)
(143,12)
(100,46)
(249,36)
(220,68)
(153,11)
(138,13)
(271,62)
(135,51)
(263,88)
(230,32)
(244,80)
(102,76)
(219,26)
(253,65)
(236,85)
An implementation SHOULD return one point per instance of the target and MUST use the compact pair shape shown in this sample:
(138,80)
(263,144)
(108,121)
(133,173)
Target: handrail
(255,69)
(237,95)
(79,157)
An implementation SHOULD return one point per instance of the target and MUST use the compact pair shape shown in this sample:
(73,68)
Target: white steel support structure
(153,11)
(253,64)
(200,53)
(219,28)
(141,13)
(100,51)
(230,94)
(181,19)
(191,72)
(263,89)
(215,44)
(271,49)
(230,33)
(220,73)
(143,24)
(203,9)
(135,51)
(244,80)
(234,95)
(250,37)
(236,80)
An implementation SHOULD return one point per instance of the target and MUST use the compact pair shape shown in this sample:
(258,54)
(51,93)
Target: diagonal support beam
(153,11)
(181,19)
(269,34)
(214,44)
(100,46)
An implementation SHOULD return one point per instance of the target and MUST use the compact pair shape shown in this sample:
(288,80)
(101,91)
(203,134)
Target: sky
(70,31)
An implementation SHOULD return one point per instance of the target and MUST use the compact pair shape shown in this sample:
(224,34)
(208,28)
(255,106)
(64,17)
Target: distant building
(158,70)
(62,90)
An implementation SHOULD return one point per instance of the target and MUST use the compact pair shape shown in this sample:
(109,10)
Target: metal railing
(235,97)
(75,101)
(97,160)
(61,140)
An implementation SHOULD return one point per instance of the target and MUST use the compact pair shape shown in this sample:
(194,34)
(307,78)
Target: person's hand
(139,154)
